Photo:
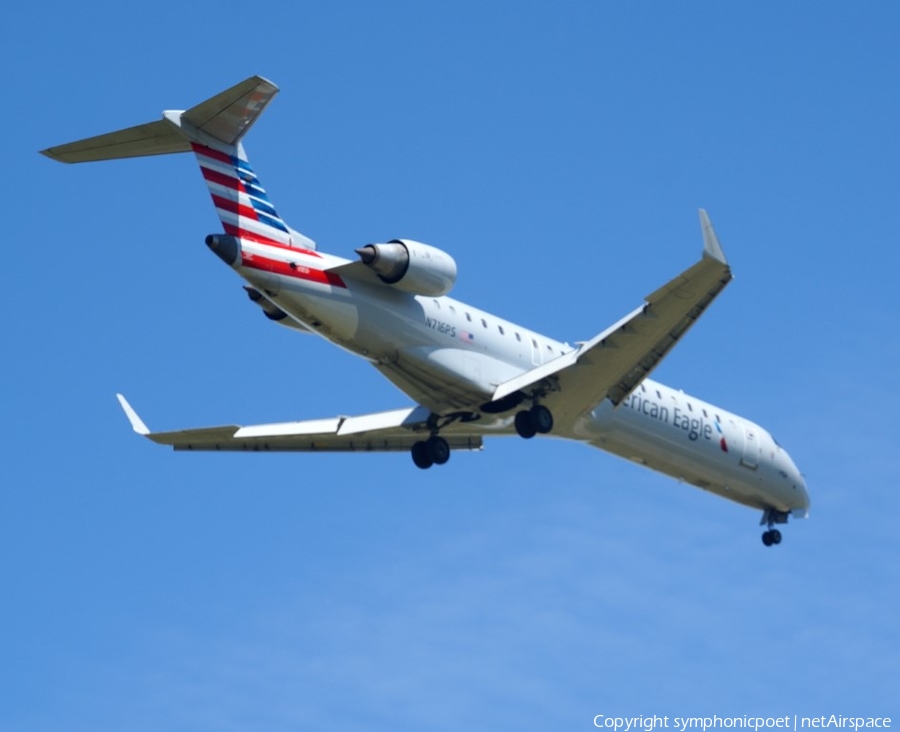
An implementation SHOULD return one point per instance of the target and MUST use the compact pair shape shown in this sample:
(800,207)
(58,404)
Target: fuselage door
(751,448)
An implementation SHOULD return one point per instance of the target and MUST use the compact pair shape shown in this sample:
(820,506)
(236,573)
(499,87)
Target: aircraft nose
(802,493)
(799,495)
(801,487)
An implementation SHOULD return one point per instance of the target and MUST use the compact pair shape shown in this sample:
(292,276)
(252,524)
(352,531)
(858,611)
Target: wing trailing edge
(392,431)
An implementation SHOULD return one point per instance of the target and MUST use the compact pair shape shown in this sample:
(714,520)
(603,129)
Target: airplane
(471,374)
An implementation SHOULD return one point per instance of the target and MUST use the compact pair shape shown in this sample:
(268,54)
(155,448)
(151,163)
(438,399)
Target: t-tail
(212,130)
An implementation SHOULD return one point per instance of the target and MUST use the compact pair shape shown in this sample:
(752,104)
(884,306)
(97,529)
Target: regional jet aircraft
(471,374)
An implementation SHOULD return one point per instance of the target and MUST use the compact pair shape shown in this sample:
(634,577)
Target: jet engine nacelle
(411,266)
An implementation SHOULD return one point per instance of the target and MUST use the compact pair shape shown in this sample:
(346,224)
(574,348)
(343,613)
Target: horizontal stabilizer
(225,118)
(153,138)
(228,115)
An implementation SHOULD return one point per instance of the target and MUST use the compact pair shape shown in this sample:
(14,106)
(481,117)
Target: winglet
(137,423)
(711,246)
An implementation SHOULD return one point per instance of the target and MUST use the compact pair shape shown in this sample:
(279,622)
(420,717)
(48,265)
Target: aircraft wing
(391,431)
(614,362)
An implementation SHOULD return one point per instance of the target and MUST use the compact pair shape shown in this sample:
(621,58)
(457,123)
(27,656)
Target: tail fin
(212,130)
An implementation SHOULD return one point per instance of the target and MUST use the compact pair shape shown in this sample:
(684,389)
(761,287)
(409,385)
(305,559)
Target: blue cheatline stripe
(258,197)
(241,164)
(274,223)
(255,189)
(264,207)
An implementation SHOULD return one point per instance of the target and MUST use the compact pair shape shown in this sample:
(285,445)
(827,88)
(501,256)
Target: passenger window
(518,337)
(468,317)
(484,322)
(500,328)
(690,408)
(437,304)
(453,310)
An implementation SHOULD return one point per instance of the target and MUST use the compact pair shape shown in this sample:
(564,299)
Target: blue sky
(560,153)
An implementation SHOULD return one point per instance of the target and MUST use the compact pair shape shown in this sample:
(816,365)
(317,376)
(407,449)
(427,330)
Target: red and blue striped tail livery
(241,202)
(213,130)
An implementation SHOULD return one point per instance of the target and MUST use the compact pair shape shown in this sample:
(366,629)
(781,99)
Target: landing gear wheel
(541,419)
(770,517)
(438,450)
(525,425)
(420,455)
(771,537)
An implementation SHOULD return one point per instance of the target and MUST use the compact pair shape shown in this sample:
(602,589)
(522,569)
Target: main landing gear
(769,518)
(537,420)
(436,451)
(433,451)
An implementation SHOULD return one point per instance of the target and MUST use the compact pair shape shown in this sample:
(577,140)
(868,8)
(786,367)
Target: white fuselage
(472,374)
(449,356)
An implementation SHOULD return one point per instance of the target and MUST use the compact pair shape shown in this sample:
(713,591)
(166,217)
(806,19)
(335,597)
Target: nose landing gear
(769,518)
(770,537)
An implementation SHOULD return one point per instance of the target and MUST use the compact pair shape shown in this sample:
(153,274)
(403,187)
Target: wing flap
(409,418)
(290,429)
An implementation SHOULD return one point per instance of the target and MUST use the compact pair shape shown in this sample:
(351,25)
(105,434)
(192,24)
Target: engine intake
(411,266)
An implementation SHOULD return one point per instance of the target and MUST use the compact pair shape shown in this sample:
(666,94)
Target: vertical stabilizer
(215,128)
(241,202)
(228,115)
(212,130)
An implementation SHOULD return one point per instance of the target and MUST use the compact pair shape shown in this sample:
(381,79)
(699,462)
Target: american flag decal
(466,337)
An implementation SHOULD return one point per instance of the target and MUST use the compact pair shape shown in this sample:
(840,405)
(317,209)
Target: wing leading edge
(614,362)
(392,431)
